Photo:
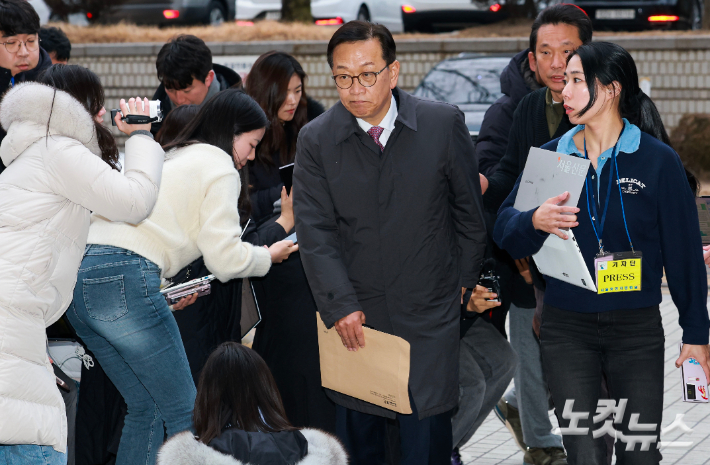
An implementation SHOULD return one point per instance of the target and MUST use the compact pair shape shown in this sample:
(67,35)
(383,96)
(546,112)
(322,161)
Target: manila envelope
(378,373)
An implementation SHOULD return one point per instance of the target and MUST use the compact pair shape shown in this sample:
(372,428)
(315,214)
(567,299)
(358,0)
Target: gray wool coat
(395,234)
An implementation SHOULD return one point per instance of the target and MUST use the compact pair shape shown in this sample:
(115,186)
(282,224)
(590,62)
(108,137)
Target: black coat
(287,339)
(26,76)
(226,77)
(529,129)
(215,318)
(491,145)
(394,234)
(493,137)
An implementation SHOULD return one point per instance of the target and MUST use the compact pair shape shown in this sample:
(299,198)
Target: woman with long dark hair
(635,218)
(238,412)
(278,83)
(62,164)
(118,310)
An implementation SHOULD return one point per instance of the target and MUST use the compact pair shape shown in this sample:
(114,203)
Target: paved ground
(493,444)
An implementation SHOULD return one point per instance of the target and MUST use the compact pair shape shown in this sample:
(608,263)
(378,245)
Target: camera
(156,115)
(491,282)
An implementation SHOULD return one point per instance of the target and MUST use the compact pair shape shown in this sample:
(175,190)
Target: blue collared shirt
(628,143)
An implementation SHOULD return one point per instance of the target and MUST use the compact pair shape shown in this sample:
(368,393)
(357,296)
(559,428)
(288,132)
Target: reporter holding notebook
(635,203)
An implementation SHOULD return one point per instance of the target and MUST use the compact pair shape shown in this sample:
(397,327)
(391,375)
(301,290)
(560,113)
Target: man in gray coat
(389,221)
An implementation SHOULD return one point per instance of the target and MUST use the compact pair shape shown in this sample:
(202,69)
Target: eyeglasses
(366,79)
(13,46)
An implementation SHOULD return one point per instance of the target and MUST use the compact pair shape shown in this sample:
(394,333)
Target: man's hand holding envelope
(349,329)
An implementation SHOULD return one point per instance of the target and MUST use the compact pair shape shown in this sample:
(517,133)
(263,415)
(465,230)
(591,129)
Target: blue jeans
(628,347)
(31,454)
(120,315)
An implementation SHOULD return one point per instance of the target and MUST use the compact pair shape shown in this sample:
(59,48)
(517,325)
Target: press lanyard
(12,81)
(599,228)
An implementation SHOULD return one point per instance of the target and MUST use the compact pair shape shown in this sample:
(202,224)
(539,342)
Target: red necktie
(375,132)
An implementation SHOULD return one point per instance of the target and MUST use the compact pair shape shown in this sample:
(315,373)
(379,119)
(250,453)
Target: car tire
(363,13)
(216,14)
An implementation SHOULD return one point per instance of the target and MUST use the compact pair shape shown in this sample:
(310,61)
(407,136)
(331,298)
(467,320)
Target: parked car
(469,81)
(408,15)
(42,10)
(250,10)
(166,12)
(644,14)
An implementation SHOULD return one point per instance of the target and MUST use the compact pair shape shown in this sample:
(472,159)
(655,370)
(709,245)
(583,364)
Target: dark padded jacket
(27,76)
(516,81)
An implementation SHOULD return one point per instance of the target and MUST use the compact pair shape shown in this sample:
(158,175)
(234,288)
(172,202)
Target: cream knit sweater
(196,214)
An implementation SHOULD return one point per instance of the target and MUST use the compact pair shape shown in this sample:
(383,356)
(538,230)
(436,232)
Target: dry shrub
(231,32)
(273,30)
(691,139)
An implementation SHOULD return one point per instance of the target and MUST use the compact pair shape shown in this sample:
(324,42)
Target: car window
(467,81)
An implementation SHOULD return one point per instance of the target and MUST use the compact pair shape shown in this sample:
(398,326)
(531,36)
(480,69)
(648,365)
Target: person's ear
(613,90)
(394,74)
(210,77)
(533,62)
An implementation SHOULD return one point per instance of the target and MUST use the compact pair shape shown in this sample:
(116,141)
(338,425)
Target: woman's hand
(550,217)
(699,353)
(286,220)
(281,250)
(478,302)
(706,256)
(133,107)
(184,302)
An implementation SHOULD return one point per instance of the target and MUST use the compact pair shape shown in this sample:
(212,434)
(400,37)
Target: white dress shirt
(387,123)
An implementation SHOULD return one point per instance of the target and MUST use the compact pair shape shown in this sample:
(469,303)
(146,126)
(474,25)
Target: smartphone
(286,173)
(695,385)
(201,286)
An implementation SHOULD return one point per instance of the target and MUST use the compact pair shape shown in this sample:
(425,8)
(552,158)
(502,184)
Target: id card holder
(618,272)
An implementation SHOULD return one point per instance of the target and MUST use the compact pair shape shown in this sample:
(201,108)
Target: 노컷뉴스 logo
(631,185)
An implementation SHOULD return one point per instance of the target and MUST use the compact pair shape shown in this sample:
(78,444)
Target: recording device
(491,282)
(200,286)
(156,115)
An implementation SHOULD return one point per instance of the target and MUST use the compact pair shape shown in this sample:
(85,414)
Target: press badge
(618,272)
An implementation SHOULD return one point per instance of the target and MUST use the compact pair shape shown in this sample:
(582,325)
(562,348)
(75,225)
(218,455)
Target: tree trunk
(296,10)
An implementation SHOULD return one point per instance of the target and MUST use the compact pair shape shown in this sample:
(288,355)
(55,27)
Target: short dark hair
(565,13)
(236,388)
(18,17)
(357,31)
(55,40)
(183,59)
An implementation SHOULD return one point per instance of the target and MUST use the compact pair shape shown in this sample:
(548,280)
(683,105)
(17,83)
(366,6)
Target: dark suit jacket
(394,234)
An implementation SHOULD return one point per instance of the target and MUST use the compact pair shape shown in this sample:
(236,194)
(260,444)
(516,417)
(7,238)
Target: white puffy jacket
(184,449)
(54,179)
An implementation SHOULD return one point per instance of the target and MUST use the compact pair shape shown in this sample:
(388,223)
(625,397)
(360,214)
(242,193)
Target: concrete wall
(676,66)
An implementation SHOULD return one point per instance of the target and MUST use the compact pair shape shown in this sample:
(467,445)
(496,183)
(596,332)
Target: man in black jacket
(390,227)
(188,76)
(21,57)
(509,130)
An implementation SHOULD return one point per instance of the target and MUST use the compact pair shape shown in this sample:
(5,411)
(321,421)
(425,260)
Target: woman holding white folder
(627,222)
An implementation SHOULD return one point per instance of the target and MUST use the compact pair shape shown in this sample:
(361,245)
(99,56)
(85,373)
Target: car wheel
(217,15)
(363,14)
